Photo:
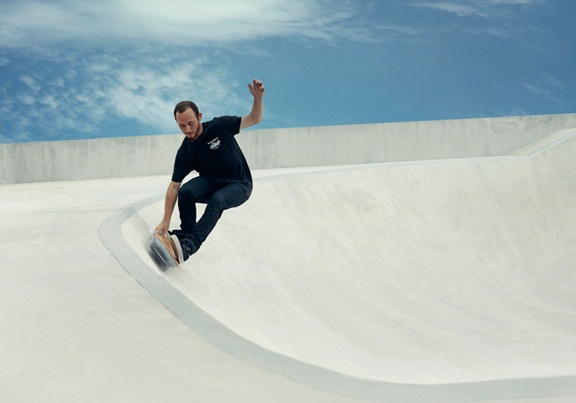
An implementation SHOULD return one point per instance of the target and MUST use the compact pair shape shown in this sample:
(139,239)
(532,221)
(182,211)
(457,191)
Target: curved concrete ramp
(455,278)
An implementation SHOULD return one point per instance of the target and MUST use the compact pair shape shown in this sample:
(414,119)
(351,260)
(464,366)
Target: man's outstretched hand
(257,88)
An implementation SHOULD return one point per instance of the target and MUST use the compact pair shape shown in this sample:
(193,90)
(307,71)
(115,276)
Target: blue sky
(87,69)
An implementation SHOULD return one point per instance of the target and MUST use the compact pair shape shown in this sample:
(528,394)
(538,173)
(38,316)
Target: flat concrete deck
(432,281)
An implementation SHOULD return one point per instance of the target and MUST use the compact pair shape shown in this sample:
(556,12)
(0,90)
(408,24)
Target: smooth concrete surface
(418,282)
(282,148)
(76,327)
(422,281)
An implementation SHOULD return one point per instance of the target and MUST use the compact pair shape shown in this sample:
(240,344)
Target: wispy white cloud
(475,8)
(512,2)
(31,83)
(546,86)
(495,18)
(453,8)
(178,22)
(82,97)
(148,95)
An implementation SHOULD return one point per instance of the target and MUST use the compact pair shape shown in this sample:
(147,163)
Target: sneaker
(178,232)
(177,248)
(184,244)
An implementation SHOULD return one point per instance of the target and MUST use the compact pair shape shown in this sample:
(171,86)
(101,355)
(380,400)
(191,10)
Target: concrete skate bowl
(447,280)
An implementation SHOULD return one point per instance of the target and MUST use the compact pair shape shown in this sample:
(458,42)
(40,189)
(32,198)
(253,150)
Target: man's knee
(182,193)
(187,193)
(231,196)
(218,201)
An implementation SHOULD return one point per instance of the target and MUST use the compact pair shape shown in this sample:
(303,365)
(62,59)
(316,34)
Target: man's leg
(229,196)
(197,190)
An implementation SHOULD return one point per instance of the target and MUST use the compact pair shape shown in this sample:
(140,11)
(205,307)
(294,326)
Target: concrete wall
(279,148)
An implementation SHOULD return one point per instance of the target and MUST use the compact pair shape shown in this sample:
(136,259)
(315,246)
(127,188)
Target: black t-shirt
(215,153)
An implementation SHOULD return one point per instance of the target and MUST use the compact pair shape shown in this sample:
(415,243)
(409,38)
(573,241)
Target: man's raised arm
(255,115)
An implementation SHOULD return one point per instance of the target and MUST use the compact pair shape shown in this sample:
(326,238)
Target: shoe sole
(177,248)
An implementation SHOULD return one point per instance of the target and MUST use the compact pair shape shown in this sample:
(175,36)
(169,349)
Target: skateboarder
(224,179)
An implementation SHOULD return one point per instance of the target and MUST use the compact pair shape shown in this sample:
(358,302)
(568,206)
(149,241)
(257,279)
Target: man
(224,179)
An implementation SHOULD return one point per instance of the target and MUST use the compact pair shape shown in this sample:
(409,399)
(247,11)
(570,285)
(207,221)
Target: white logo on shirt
(215,144)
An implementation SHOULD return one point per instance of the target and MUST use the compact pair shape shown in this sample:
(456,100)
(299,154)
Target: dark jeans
(218,195)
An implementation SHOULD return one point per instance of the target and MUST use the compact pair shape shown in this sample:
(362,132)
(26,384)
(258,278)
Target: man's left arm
(255,115)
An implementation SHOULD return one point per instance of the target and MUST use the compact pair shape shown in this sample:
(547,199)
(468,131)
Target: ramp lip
(203,324)
(544,144)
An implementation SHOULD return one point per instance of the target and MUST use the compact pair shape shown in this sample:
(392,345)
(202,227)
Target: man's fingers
(256,84)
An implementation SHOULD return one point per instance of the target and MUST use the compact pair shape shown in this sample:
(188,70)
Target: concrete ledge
(281,148)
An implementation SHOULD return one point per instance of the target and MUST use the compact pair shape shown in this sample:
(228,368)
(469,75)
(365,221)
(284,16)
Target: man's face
(189,124)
